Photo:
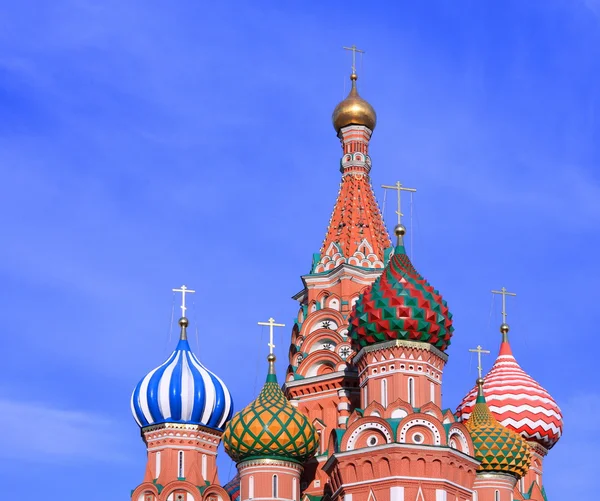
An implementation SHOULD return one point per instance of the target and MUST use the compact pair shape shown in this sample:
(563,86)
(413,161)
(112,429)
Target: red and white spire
(515,399)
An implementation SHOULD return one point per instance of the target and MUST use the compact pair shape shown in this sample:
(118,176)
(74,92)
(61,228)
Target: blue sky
(146,145)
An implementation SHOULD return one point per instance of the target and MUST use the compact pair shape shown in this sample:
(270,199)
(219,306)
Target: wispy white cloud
(41,432)
(593,5)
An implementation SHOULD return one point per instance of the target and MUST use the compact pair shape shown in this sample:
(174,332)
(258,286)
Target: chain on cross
(479,350)
(354,51)
(184,290)
(504,293)
(271,323)
(399,188)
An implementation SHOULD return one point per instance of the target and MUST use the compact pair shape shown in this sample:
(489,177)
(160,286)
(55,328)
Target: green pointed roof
(270,427)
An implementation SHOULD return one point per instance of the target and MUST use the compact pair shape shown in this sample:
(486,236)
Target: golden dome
(354,110)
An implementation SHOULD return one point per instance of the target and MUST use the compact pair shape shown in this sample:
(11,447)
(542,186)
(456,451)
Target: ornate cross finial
(479,350)
(354,51)
(504,293)
(271,323)
(399,188)
(184,290)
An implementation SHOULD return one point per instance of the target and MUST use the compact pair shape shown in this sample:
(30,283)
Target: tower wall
(269,480)
(404,370)
(178,454)
(494,487)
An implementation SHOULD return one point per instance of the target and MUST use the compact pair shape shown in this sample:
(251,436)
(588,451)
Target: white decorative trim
(462,439)
(437,439)
(403,477)
(367,426)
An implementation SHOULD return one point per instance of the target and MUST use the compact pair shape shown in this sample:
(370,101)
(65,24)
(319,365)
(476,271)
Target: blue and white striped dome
(182,390)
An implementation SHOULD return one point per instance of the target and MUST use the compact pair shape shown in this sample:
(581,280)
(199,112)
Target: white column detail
(397,493)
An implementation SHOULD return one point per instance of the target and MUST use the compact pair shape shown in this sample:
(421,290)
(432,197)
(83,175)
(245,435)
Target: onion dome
(354,110)
(516,400)
(233,488)
(401,304)
(499,449)
(270,427)
(182,390)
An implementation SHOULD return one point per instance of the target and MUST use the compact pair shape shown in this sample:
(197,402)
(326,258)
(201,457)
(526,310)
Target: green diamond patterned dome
(498,448)
(270,427)
(401,304)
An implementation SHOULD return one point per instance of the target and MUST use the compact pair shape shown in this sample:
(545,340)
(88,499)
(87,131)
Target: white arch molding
(367,426)
(437,439)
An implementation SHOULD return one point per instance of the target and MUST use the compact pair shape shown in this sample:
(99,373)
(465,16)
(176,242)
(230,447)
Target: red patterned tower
(402,326)
(182,409)
(521,404)
(319,380)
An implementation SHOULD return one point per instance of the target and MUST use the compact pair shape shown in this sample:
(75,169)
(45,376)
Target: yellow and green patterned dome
(270,427)
(498,448)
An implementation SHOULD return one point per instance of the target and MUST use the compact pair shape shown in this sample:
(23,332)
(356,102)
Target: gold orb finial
(504,328)
(399,230)
(183,322)
(354,110)
(271,358)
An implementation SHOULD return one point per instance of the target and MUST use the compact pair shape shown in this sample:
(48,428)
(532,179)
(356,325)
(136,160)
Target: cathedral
(359,416)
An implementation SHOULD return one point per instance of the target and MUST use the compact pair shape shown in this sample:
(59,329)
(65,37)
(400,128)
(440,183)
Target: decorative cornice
(400,343)
(493,475)
(320,379)
(425,448)
(367,275)
(537,448)
(182,426)
(248,463)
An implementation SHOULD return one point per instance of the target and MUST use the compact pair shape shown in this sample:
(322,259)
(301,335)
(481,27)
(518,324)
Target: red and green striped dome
(401,304)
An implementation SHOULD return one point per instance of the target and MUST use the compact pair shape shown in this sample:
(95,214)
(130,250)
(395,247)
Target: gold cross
(184,290)
(504,293)
(354,51)
(399,188)
(479,350)
(271,323)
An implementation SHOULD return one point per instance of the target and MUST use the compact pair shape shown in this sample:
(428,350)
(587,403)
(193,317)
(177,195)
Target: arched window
(496,495)
(294,489)
(157,467)
(180,468)
(250,487)
(275,486)
(365,395)
(411,391)
(432,392)
(324,300)
(384,392)
(204,467)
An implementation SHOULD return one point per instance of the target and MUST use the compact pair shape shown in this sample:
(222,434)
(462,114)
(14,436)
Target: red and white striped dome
(517,401)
